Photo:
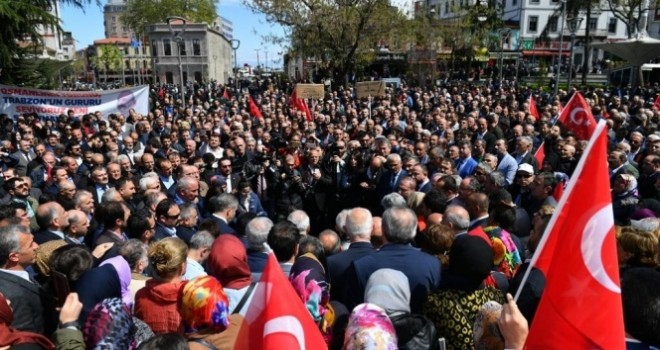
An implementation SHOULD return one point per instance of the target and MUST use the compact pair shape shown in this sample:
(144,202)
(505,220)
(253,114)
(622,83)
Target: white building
(52,38)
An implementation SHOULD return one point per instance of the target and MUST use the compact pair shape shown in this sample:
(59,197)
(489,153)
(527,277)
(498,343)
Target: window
(114,19)
(535,2)
(167,47)
(198,77)
(447,7)
(127,64)
(552,24)
(611,26)
(182,47)
(197,48)
(514,2)
(593,24)
(533,25)
(169,78)
(154,48)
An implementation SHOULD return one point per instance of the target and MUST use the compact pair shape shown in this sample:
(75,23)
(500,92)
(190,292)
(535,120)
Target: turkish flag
(581,304)
(656,104)
(576,116)
(540,155)
(276,318)
(225,94)
(299,104)
(254,110)
(532,108)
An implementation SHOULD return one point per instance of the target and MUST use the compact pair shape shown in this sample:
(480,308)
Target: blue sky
(87,26)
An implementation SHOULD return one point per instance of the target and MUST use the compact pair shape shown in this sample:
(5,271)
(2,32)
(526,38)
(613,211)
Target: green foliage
(629,12)
(340,35)
(108,57)
(36,73)
(143,12)
(20,21)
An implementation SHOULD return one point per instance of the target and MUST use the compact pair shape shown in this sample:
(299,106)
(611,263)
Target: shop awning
(544,53)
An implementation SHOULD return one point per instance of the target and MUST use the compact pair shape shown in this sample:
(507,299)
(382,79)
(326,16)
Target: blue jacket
(254,205)
(422,270)
(339,265)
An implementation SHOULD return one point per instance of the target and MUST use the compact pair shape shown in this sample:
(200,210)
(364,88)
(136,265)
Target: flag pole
(571,184)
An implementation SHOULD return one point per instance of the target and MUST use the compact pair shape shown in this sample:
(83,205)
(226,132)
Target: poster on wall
(49,104)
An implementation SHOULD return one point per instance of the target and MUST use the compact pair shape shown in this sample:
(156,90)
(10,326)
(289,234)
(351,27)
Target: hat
(526,168)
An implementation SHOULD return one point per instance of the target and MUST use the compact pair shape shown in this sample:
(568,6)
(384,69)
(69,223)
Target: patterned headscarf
(124,272)
(110,326)
(44,252)
(309,281)
(369,328)
(204,306)
(311,284)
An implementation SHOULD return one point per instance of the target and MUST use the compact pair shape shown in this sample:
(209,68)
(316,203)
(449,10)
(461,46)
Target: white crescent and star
(286,324)
(593,237)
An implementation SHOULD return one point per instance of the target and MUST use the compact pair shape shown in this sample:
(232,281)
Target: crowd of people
(405,221)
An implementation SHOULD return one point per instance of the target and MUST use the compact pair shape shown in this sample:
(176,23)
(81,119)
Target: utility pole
(257,50)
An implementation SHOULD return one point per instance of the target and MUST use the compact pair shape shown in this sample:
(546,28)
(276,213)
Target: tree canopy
(340,35)
(21,21)
(143,12)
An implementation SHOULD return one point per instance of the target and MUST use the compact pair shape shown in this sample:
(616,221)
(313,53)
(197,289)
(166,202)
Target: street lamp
(178,37)
(482,16)
(503,33)
(573,26)
(561,45)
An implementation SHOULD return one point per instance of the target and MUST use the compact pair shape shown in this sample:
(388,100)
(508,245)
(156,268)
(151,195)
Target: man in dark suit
(367,182)
(523,153)
(359,225)
(115,218)
(24,155)
(477,205)
(484,134)
(230,179)
(43,173)
(224,207)
(423,270)
(167,181)
(167,216)
(99,183)
(391,178)
(618,162)
(188,218)
(15,282)
(52,219)
(421,175)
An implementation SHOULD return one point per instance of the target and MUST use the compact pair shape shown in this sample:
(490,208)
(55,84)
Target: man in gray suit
(24,155)
(17,252)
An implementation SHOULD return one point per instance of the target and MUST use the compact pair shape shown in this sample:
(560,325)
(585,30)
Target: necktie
(394,176)
(261,187)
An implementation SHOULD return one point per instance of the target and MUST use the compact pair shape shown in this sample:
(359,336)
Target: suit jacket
(254,206)
(224,227)
(529,159)
(185,233)
(161,233)
(508,166)
(26,301)
(465,167)
(422,270)
(426,188)
(21,166)
(38,176)
(339,264)
(385,186)
(44,236)
(92,189)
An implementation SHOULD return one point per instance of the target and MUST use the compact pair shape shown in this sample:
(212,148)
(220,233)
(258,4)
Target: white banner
(48,104)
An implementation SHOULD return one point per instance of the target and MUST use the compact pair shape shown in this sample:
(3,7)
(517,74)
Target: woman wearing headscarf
(156,303)
(204,309)
(369,328)
(624,198)
(11,337)
(110,326)
(228,263)
(124,272)
(310,282)
(96,285)
(390,290)
(454,307)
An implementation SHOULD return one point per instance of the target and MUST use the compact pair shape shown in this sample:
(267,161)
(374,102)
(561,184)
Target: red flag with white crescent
(576,116)
(581,304)
(254,110)
(276,318)
(532,108)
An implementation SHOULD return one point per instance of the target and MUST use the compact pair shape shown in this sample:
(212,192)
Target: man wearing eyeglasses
(19,192)
(167,217)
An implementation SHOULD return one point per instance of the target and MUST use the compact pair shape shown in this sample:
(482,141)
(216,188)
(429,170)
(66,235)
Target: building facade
(205,53)
(112,13)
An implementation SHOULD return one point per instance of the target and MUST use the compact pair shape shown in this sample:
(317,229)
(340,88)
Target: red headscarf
(228,262)
(12,336)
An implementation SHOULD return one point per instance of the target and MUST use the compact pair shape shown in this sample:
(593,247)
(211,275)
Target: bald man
(477,206)
(434,219)
(457,218)
(52,219)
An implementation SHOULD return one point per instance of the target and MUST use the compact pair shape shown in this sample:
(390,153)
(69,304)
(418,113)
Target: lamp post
(561,45)
(503,33)
(179,40)
(573,26)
